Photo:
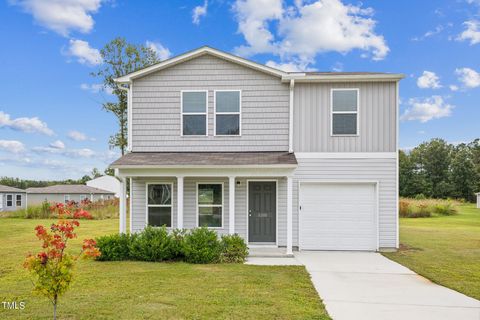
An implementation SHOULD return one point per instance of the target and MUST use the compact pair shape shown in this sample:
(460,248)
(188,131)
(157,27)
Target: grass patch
(444,249)
(143,290)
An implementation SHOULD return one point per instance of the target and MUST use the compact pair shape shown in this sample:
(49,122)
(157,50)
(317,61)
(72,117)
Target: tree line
(439,169)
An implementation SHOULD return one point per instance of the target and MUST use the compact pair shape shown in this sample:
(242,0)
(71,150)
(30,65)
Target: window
(83,197)
(344,112)
(66,198)
(194,113)
(159,205)
(227,113)
(18,200)
(9,200)
(210,205)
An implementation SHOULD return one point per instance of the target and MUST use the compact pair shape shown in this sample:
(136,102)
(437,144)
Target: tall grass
(424,208)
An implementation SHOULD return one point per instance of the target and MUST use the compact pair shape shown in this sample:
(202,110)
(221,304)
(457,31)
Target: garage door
(338,216)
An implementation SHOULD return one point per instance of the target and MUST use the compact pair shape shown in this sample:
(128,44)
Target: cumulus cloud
(163,53)
(198,12)
(428,80)
(63,16)
(468,77)
(12,146)
(453,87)
(71,153)
(58,144)
(427,109)
(84,54)
(24,124)
(291,66)
(471,32)
(77,135)
(96,88)
(336,26)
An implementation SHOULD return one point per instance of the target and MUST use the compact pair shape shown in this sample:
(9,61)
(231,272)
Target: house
(12,199)
(65,193)
(304,160)
(108,183)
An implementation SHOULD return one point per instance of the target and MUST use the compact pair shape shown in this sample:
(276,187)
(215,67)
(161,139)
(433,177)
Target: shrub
(420,196)
(404,208)
(201,245)
(115,247)
(153,244)
(234,249)
(445,209)
(414,208)
(177,244)
(421,211)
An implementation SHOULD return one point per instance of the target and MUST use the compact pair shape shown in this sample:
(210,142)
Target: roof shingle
(69,188)
(10,189)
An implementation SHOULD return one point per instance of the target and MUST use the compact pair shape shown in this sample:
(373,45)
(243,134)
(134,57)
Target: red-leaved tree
(52,268)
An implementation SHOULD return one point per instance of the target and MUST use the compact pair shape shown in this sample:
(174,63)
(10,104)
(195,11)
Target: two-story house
(296,160)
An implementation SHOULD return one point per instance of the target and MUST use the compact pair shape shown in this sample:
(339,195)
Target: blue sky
(51,122)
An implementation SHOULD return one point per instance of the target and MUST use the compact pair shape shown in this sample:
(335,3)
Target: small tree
(52,268)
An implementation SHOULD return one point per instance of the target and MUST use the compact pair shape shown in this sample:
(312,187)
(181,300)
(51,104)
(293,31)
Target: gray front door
(262,211)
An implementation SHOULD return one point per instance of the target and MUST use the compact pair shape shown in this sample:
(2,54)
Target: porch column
(289,216)
(180,202)
(123,206)
(231,204)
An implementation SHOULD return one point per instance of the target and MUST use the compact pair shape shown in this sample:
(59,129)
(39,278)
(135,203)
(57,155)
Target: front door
(262,211)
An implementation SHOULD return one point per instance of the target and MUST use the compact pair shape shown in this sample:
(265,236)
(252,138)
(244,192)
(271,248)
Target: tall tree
(120,58)
(463,174)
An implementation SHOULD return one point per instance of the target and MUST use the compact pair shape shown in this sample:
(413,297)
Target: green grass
(143,290)
(444,249)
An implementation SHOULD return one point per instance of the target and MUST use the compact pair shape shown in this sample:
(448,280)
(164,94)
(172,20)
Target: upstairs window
(194,113)
(227,113)
(344,119)
(159,205)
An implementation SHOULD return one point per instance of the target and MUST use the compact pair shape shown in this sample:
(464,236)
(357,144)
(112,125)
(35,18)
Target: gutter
(302,77)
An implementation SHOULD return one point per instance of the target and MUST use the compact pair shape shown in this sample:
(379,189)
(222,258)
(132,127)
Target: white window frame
(16,200)
(6,200)
(194,114)
(210,205)
(66,198)
(159,205)
(239,113)
(357,113)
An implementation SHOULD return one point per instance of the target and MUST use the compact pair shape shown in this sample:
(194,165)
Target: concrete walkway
(366,285)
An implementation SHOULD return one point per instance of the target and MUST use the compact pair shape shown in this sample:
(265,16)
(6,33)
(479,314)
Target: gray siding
(156,108)
(14,203)
(382,170)
(38,198)
(377,125)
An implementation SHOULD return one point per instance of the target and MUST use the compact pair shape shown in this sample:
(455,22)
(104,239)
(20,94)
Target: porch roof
(205,159)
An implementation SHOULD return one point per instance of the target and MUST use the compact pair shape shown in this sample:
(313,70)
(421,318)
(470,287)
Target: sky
(52,125)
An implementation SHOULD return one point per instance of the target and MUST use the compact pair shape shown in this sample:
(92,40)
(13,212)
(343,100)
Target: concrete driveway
(366,285)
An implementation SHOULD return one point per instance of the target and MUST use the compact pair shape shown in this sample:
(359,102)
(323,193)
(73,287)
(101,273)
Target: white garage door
(338,216)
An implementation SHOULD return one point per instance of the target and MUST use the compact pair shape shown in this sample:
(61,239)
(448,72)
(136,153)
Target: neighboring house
(65,193)
(108,183)
(296,160)
(12,199)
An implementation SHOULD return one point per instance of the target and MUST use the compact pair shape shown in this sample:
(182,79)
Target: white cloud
(24,124)
(162,52)
(62,16)
(453,87)
(337,67)
(291,66)
(77,135)
(304,30)
(468,77)
(427,109)
(438,29)
(71,153)
(198,12)
(13,146)
(84,54)
(57,144)
(428,80)
(96,88)
(471,32)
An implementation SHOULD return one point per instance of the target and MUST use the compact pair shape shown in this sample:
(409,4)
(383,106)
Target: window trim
(239,113)
(357,113)
(193,114)
(158,205)
(215,205)
(6,200)
(16,200)
(65,198)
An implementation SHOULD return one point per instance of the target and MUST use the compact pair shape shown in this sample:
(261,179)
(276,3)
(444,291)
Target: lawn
(444,249)
(139,290)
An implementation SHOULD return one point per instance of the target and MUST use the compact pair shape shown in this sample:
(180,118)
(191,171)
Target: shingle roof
(140,159)
(69,188)
(10,189)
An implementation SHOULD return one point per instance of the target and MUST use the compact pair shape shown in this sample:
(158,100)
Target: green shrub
(114,247)
(420,211)
(445,209)
(152,244)
(420,196)
(234,249)
(201,245)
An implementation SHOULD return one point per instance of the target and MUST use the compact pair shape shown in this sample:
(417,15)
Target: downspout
(129,114)
(290,118)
